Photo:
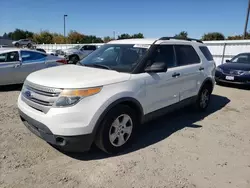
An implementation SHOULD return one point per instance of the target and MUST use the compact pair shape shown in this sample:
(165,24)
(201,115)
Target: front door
(162,89)
(9,68)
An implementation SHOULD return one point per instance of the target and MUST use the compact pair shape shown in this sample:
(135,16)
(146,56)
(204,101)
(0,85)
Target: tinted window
(29,56)
(90,47)
(241,58)
(165,53)
(186,55)
(206,53)
(9,57)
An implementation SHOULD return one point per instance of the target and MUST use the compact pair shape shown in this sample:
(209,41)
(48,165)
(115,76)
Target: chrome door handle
(201,68)
(176,74)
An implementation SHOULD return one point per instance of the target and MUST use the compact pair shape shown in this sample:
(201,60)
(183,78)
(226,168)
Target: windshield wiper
(101,66)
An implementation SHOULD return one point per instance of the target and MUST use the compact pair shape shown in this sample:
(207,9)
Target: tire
(17,44)
(73,59)
(112,125)
(29,45)
(203,98)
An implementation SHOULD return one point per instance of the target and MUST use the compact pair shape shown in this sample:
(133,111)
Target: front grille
(39,97)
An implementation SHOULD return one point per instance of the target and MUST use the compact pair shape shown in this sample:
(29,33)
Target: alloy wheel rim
(120,130)
(204,98)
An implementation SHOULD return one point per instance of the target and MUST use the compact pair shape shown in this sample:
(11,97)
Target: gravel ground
(181,150)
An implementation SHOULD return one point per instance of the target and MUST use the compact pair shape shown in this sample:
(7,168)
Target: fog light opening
(60,141)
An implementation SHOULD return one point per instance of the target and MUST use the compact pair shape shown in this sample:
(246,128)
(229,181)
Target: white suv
(115,89)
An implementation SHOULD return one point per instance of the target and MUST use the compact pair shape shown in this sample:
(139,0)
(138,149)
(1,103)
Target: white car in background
(78,52)
(16,64)
(23,42)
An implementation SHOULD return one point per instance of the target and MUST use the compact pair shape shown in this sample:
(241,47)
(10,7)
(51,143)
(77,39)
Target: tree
(213,36)
(58,38)
(127,36)
(5,36)
(107,39)
(92,39)
(43,37)
(75,37)
(20,34)
(138,35)
(182,35)
(239,37)
(124,36)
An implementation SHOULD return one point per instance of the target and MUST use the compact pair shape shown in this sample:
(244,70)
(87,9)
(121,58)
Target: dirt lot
(181,150)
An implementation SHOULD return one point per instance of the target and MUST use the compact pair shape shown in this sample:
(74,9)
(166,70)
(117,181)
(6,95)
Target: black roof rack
(178,38)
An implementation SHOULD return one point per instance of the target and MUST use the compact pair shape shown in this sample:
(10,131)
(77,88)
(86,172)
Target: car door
(189,66)
(9,68)
(31,61)
(162,89)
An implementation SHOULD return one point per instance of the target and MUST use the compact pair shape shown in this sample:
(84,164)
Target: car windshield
(119,57)
(241,58)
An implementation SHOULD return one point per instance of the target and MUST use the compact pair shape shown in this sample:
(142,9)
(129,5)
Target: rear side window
(206,53)
(186,55)
(29,56)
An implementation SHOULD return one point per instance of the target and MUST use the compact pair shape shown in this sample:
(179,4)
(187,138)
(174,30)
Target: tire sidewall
(74,59)
(106,124)
(199,99)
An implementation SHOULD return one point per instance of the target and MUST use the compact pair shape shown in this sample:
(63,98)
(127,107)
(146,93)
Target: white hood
(74,76)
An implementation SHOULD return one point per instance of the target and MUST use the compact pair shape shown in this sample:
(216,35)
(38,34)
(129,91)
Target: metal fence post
(223,53)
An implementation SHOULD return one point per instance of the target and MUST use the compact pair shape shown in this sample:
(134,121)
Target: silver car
(17,64)
(23,42)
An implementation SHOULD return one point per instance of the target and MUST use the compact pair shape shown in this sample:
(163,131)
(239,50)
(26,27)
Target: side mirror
(228,61)
(157,67)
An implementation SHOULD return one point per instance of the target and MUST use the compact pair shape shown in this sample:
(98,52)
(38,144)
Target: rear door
(189,65)
(9,68)
(31,61)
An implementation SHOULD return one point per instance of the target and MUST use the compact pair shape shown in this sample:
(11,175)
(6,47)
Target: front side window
(9,57)
(29,56)
(186,55)
(241,58)
(164,53)
(89,47)
(119,57)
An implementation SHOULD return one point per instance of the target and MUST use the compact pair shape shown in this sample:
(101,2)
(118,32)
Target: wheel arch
(128,101)
(209,82)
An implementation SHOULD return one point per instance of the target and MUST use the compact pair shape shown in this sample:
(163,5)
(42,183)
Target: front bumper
(238,79)
(79,143)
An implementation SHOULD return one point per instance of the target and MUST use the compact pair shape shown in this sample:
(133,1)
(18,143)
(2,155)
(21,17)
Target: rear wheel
(73,59)
(29,45)
(17,44)
(117,130)
(203,98)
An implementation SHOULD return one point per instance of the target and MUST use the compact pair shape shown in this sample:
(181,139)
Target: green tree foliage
(213,36)
(92,39)
(75,37)
(182,35)
(239,37)
(127,36)
(20,34)
(43,37)
(58,38)
(107,39)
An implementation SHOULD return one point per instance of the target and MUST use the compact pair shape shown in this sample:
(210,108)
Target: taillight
(63,61)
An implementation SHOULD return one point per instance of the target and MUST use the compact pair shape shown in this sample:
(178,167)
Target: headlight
(70,97)
(219,69)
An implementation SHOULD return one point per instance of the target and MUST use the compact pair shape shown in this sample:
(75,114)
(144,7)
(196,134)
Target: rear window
(186,55)
(206,53)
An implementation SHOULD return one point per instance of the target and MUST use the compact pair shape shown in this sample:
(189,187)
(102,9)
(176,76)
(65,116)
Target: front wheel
(117,130)
(73,59)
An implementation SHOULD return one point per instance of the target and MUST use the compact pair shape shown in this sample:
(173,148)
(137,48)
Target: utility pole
(114,35)
(247,17)
(64,16)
